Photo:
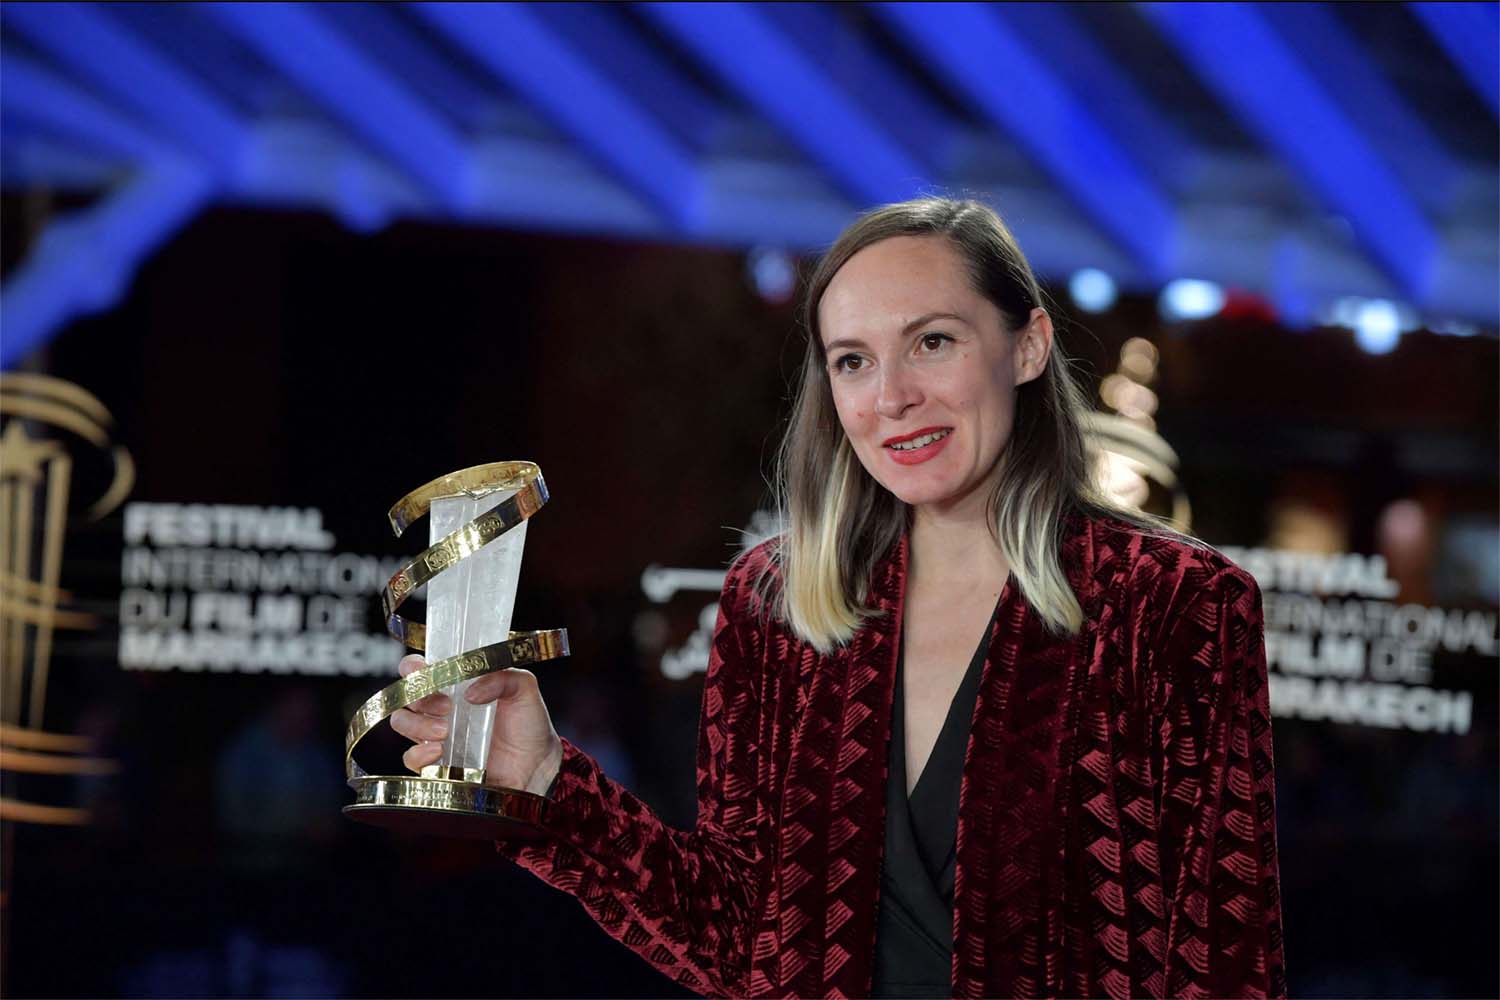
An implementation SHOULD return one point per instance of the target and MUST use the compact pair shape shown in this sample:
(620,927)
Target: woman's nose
(898,392)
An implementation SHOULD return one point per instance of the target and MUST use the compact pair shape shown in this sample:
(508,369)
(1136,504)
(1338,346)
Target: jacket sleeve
(1218,810)
(684,900)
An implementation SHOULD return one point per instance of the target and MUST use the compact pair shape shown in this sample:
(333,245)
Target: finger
(504,685)
(437,704)
(422,754)
(418,727)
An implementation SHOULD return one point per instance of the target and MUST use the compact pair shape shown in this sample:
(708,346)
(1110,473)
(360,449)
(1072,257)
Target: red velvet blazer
(1116,830)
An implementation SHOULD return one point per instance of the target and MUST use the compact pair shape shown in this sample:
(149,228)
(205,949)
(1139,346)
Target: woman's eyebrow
(842,343)
(921,321)
(906,331)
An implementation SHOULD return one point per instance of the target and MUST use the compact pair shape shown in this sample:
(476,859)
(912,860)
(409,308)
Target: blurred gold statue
(1133,463)
(39,416)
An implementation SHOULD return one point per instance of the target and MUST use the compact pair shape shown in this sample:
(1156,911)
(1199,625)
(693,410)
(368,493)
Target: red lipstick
(914,434)
(916,456)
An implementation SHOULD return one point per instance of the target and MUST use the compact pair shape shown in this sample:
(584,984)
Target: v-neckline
(967,685)
(921,836)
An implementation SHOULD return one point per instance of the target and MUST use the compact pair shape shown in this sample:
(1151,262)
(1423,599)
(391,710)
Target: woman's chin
(936,496)
(935,484)
(915,494)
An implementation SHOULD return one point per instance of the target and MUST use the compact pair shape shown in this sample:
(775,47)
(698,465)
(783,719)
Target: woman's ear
(1033,346)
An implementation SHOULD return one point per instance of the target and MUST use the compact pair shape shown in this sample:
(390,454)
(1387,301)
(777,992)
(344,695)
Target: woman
(967,728)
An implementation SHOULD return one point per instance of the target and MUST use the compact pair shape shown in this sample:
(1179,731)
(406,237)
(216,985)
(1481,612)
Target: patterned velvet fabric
(1116,824)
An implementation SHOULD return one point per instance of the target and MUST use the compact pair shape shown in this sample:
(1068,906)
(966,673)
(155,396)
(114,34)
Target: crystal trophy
(471,570)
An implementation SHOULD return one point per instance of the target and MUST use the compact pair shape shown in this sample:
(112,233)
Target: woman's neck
(956,547)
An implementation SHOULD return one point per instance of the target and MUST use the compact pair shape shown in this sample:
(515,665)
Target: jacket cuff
(577,779)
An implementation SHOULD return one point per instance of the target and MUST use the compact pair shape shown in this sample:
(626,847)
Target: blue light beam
(1243,61)
(986,62)
(606,37)
(512,42)
(926,130)
(1134,122)
(83,263)
(92,44)
(356,89)
(1470,34)
(31,91)
(738,43)
(1347,75)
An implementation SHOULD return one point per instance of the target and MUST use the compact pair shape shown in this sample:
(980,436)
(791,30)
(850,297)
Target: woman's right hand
(525,751)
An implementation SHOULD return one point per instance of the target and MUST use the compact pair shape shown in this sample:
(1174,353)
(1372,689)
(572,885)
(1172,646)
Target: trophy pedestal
(467,810)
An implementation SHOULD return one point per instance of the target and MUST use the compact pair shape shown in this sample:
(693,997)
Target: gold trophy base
(444,808)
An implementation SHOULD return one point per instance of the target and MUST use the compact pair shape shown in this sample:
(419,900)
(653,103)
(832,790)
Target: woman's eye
(848,363)
(934,341)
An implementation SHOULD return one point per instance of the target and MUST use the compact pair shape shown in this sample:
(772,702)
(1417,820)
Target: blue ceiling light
(1377,326)
(1470,34)
(511,41)
(1344,312)
(84,261)
(92,44)
(619,49)
(739,44)
(925,129)
(1190,299)
(375,104)
(774,273)
(384,33)
(1375,322)
(30,91)
(1453,328)
(1132,120)
(1092,290)
(660,122)
(1249,67)
(984,60)
(1352,78)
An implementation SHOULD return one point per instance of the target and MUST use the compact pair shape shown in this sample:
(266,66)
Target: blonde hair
(840,522)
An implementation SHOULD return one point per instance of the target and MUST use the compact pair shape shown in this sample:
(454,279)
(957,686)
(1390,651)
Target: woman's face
(923,371)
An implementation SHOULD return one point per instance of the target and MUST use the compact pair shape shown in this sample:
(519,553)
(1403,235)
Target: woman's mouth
(914,449)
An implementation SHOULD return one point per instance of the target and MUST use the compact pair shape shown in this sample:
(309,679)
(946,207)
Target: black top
(914,930)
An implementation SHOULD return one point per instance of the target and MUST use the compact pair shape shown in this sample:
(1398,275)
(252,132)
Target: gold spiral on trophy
(36,473)
(444,804)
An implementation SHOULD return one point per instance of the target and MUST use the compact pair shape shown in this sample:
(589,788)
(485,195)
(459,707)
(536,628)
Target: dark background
(277,359)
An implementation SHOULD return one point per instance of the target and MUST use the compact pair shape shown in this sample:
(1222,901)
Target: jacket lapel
(1008,884)
(834,807)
